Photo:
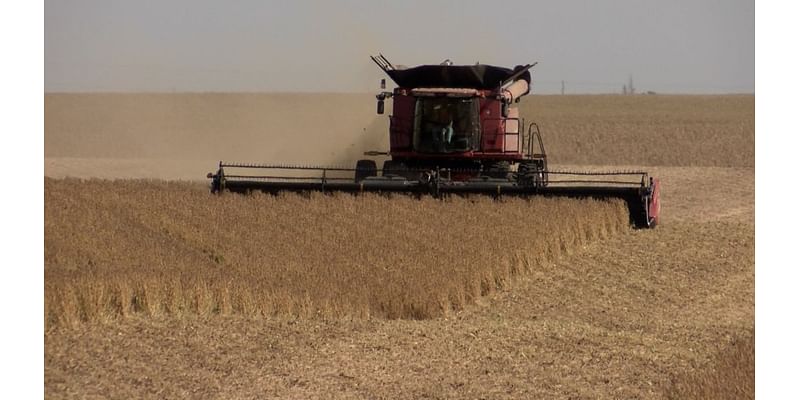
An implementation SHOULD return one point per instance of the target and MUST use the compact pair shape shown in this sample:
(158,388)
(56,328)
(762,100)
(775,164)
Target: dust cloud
(183,136)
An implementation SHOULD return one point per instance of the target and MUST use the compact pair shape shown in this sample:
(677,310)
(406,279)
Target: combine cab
(454,129)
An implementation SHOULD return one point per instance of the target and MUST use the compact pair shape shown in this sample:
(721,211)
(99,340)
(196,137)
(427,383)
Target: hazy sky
(676,46)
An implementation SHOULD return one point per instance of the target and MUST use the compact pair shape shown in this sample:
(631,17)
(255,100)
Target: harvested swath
(730,375)
(152,248)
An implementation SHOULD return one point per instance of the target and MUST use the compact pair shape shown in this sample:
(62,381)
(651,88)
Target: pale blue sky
(678,46)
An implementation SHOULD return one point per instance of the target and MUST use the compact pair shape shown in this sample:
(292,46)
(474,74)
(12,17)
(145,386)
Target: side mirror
(504,109)
(380,106)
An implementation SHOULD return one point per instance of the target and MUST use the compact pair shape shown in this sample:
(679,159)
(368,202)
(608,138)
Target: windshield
(446,124)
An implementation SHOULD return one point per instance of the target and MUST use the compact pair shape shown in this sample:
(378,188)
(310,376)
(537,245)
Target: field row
(121,248)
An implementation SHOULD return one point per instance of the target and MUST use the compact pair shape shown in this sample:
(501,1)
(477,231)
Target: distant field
(647,130)
(182,136)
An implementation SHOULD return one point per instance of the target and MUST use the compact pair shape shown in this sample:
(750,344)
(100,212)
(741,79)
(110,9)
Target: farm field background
(183,136)
(159,289)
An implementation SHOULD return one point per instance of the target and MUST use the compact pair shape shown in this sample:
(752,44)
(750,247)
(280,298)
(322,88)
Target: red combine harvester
(454,129)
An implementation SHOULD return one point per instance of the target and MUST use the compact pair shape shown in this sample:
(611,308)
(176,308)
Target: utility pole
(562,88)
(630,84)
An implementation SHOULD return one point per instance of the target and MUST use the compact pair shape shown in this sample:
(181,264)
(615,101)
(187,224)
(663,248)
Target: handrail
(538,135)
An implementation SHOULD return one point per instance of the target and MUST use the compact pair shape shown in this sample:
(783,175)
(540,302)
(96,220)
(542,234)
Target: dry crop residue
(646,130)
(628,317)
(641,314)
(115,249)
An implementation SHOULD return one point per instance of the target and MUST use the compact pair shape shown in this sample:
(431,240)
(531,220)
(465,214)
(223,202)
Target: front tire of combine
(365,169)
(532,173)
(499,170)
(394,168)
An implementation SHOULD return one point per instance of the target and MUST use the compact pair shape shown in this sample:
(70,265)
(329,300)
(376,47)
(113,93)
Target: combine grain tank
(454,129)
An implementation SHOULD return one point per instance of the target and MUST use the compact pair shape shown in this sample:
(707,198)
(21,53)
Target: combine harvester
(454,130)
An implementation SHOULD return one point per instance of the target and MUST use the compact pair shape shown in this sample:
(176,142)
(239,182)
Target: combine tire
(394,168)
(499,170)
(365,169)
(531,173)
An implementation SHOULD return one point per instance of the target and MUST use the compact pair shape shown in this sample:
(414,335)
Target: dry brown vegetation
(115,249)
(647,130)
(158,289)
(618,319)
(182,136)
(731,375)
